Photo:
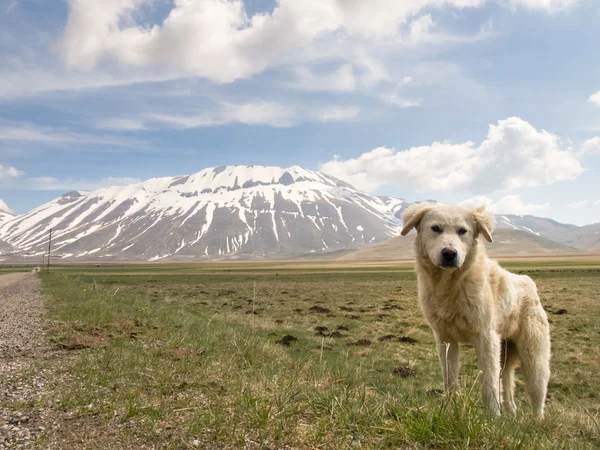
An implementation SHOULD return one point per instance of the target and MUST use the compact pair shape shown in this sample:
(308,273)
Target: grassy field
(15,268)
(298,356)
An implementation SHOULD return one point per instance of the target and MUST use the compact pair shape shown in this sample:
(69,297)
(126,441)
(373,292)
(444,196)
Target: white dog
(468,298)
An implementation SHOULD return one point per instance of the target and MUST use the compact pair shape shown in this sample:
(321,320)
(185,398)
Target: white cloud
(595,98)
(551,6)
(253,113)
(76,184)
(590,147)
(10,7)
(121,124)
(514,155)
(510,204)
(32,133)
(420,28)
(579,204)
(216,39)
(4,207)
(9,172)
(397,98)
(24,81)
(258,113)
(340,80)
(338,114)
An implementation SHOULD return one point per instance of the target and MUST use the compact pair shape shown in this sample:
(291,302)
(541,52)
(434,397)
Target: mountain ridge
(235,212)
(214,212)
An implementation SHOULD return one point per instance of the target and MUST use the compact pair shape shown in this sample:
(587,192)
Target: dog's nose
(449,254)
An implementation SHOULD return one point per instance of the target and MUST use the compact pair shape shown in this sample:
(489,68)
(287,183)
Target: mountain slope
(506,243)
(5,247)
(541,226)
(233,210)
(584,238)
(5,216)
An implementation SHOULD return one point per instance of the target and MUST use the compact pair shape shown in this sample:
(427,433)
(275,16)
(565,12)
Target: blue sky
(444,99)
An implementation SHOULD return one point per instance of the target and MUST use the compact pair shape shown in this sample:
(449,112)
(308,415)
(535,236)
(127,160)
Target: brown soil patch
(361,343)
(390,307)
(181,353)
(435,392)
(79,342)
(287,340)
(334,334)
(404,372)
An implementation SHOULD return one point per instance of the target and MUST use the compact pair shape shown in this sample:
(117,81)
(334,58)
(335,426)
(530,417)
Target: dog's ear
(484,221)
(413,215)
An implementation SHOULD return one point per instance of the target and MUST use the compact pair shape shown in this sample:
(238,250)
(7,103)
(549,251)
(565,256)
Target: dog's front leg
(449,353)
(487,348)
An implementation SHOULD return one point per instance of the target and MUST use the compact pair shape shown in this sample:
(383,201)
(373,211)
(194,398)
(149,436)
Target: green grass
(9,268)
(165,355)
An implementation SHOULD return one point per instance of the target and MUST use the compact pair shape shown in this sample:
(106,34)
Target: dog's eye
(436,229)
(462,231)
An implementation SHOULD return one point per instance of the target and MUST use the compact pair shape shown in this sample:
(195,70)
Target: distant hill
(541,226)
(506,243)
(584,238)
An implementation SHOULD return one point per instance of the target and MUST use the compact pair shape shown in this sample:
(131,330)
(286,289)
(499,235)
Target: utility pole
(49,247)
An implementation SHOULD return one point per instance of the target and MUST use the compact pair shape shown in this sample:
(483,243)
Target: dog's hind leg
(508,362)
(534,351)
(449,354)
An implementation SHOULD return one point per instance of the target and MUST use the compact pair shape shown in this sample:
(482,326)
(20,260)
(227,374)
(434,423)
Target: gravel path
(22,345)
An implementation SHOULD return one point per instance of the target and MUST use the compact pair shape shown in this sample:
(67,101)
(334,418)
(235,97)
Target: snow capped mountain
(395,205)
(5,216)
(230,212)
(222,211)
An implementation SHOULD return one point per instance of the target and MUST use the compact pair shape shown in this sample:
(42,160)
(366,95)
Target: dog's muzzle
(449,257)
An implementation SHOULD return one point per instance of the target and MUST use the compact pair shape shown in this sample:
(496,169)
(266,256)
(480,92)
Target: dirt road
(22,346)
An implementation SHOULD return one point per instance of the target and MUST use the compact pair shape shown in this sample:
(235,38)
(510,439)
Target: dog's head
(447,233)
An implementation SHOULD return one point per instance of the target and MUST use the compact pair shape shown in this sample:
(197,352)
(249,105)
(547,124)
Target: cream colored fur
(479,303)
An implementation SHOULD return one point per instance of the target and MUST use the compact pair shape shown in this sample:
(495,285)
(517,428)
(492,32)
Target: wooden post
(49,247)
